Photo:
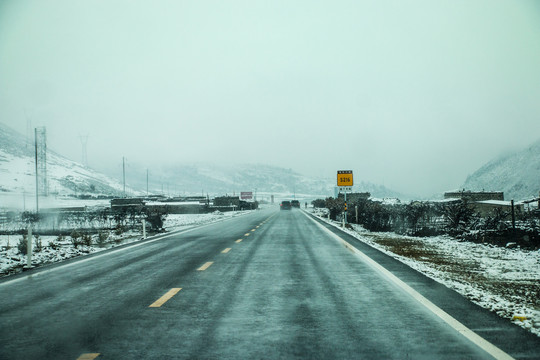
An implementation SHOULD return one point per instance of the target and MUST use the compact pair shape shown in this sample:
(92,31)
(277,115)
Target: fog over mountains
(517,174)
(231,179)
(65,177)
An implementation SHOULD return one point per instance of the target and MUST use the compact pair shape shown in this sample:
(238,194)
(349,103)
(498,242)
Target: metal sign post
(345,183)
(345,212)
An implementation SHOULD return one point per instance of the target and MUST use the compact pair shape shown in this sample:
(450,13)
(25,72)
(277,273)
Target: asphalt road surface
(267,285)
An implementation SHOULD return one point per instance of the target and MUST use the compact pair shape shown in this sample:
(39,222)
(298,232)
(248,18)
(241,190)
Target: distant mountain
(214,179)
(517,174)
(64,177)
(221,179)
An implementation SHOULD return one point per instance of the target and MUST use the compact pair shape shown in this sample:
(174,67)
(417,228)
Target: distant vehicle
(295,204)
(285,205)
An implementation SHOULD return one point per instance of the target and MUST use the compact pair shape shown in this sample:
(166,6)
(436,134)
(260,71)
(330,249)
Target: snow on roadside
(503,280)
(175,222)
(11,261)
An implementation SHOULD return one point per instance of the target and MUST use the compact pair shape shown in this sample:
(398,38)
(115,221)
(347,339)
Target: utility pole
(124,173)
(37,177)
(146,182)
(513,216)
(41,159)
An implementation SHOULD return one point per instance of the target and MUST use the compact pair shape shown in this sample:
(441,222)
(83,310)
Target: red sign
(246,195)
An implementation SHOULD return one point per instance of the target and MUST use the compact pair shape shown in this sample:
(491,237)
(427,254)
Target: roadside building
(355,197)
(488,208)
(475,195)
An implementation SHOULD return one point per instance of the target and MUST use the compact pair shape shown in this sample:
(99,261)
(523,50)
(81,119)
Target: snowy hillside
(233,178)
(517,174)
(64,177)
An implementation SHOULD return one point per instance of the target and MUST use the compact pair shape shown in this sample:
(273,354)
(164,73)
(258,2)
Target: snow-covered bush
(102,238)
(22,246)
(76,238)
(54,245)
(38,244)
(86,239)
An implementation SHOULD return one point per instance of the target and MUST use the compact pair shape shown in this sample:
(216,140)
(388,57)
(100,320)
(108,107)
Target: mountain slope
(231,179)
(64,177)
(517,174)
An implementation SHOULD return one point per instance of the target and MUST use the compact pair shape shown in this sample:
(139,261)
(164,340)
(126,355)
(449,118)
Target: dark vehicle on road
(295,204)
(285,205)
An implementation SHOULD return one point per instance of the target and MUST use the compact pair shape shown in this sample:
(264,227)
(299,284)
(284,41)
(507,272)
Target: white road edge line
(107,253)
(456,325)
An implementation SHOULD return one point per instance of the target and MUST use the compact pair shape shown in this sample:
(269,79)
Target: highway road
(267,285)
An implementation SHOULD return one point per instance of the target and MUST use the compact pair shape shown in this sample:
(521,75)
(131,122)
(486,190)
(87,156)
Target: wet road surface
(269,285)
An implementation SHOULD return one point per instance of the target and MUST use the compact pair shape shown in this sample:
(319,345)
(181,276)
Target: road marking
(456,325)
(89,356)
(205,266)
(252,230)
(238,241)
(168,295)
(246,234)
(226,250)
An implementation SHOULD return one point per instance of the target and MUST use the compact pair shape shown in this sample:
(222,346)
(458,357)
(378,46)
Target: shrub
(76,238)
(22,246)
(335,206)
(120,229)
(38,244)
(459,216)
(102,238)
(156,217)
(86,239)
(54,245)
(318,203)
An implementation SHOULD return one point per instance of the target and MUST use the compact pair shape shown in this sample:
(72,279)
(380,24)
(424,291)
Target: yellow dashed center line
(239,240)
(226,250)
(205,266)
(89,356)
(247,234)
(168,295)
(252,230)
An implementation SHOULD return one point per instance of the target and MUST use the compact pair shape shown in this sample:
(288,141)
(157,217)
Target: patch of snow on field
(505,281)
(175,222)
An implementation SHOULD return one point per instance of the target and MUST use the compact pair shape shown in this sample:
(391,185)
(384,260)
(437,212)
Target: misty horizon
(413,96)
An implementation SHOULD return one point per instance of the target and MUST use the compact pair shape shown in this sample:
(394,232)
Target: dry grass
(466,271)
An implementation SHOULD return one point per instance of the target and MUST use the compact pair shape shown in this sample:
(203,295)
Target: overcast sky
(414,95)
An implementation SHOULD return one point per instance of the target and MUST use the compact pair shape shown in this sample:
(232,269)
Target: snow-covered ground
(54,249)
(503,280)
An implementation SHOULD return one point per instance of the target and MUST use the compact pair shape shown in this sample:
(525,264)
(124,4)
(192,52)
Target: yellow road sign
(344,178)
